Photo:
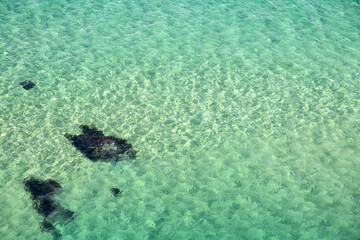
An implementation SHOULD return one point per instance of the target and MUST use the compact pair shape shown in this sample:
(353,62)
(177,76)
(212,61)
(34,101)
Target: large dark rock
(44,202)
(97,147)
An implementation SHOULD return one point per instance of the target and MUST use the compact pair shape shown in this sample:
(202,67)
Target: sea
(245,116)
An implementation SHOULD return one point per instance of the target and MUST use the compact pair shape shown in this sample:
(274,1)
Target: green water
(245,116)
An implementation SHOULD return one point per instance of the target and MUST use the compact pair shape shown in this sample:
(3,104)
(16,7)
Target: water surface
(245,116)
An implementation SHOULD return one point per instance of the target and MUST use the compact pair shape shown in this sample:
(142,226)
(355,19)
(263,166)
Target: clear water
(245,116)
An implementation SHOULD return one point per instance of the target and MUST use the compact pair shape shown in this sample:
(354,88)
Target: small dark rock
(116,192)
(44,202)
(27,84)
(98,147)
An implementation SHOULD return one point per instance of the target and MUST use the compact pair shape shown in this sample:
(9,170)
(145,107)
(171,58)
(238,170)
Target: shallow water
(244,114)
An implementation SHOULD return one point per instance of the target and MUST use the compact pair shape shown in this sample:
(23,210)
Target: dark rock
(116,192)
(44,202)
(45,206)
(46,226)
(40,189)
(27,85)
(97,147)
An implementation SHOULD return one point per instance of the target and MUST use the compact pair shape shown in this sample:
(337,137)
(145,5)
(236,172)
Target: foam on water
(244,115)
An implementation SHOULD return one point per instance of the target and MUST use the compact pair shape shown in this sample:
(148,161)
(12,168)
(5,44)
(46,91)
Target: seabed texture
(245,116)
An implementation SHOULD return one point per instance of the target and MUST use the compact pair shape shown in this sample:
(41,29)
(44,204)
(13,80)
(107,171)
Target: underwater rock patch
(44,202)
(116,192)
(98,147)
(27,84)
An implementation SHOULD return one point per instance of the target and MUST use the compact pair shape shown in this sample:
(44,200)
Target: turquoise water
(245,116)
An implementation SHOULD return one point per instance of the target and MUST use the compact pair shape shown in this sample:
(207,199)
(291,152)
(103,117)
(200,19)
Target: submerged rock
(27,84)
(46,226)
(116,192)
(97,147)
(44,202)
